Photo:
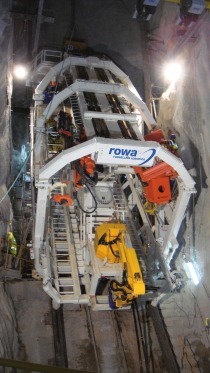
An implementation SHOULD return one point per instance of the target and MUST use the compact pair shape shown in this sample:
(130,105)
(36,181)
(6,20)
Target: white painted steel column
(40,225)
(169,243)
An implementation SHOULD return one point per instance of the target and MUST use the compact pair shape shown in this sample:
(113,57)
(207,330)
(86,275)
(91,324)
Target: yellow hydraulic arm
(112,244)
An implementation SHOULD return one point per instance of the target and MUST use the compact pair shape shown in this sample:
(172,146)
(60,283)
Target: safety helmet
(172,136)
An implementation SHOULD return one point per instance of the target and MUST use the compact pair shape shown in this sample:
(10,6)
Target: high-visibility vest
(12,243)
(207,322)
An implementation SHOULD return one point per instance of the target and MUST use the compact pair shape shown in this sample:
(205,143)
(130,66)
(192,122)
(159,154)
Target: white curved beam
(65,157)
(97,87)
(178,166)
(92,62)
(101,145)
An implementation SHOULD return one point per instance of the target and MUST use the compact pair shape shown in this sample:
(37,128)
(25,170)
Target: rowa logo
(126,152)
(150,156)
(133,154)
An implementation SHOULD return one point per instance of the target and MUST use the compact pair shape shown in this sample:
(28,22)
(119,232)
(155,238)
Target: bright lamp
(20,72)
(173,71)
(192,272)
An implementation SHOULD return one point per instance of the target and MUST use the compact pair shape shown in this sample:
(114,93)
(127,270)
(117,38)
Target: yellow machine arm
(112,243)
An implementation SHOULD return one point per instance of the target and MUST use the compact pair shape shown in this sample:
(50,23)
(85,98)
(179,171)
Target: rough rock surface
(184,109)
(9,345)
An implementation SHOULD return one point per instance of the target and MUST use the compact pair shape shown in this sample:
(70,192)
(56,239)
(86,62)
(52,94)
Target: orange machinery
(157,179)
(63,199)
(86,166)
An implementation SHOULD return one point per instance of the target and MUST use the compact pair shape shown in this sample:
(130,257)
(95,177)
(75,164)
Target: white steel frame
(126,89)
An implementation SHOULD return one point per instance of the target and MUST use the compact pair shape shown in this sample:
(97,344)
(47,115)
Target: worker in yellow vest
(12,244)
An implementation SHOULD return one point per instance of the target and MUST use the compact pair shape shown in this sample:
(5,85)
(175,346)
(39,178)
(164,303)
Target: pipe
(51,292)
(36,367)
(38,26)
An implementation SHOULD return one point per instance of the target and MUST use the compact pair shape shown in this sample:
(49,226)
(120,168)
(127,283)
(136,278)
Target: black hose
(94,209)
(143,338)
(86,179)
(117,288)
(113,253)
(125,280)
(107,243)
(148,339)
(88,182)
(137,339)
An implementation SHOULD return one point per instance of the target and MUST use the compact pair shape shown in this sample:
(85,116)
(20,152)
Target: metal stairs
(64,261)
(75,109)
(76,240)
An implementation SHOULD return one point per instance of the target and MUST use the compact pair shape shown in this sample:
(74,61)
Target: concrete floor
(34,320)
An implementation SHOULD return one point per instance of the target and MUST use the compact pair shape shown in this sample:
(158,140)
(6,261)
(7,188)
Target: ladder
(77,116)
(76,240)
(64,262)
(75,109)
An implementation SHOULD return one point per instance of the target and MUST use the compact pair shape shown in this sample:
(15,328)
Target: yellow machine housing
(103,250)
(110,245)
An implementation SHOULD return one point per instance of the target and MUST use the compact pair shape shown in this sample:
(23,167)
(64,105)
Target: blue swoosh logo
(153,151)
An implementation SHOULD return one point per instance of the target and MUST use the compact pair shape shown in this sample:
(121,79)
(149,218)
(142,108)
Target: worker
(207,323)
(172,142)
(63,199)
(55,87)
(83,136)
(64,121)
(12,244)
(50,91)
(48,96)
(67,136)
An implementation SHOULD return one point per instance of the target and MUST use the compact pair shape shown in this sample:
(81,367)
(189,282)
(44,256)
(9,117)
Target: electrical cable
(13,183)
(143,331)
(151,358)
(25,162)
(186,341)
(118,287)
(87,212)
(39,135)
(88,182)
(137,339)
(113,253)
(125,279)
(110,243)
(107,243)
